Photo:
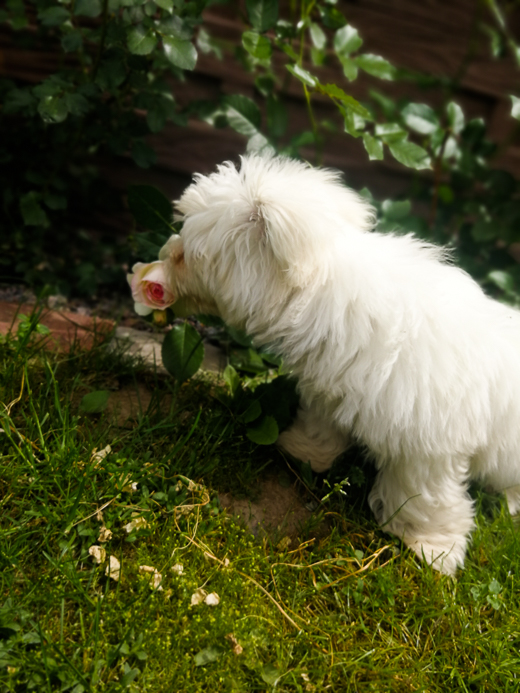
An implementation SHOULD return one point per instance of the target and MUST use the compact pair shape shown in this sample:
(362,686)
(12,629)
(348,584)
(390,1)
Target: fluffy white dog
(392,347)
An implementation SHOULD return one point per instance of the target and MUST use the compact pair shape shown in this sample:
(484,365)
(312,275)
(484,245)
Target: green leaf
(150,208)
(141,41)
(318,36)
(277,116)
(256,45)
(207,655)
(165,4)
(373,146)
(180,52)
(390,132)
(95,402)
(262,14)
(87,8)
(111,73)
(456,117)
(143,155)
(350,69)
(54,201)
(77,104)
(409,154)
(231,378)
(159,112)
(346,41)
(331,17)
(421,118)
(484,231)
(53,109)
(349,101)
(243,114)
(354,123)
(302,75)
(31,210)
(265,432)
(182,351)
(395,209)
(72,41)
(270,674)
(376,66)
(54,16)
(502,279)
(253,411)
(515,110)
(174,26)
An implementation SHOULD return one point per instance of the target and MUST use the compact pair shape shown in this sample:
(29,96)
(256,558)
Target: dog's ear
(294,246)
(302,215)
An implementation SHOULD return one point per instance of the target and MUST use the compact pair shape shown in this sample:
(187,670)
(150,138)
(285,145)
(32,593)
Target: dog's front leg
(313,439)
(426,504)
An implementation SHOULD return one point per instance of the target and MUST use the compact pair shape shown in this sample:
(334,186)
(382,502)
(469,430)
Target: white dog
(392,347)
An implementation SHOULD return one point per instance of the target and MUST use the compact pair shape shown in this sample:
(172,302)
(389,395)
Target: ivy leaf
(150,208)
(515,110)
(265,432)
(376,66)
(182,351)
(347,41)
(349,101)
(302,75)
(180,52)
(256,45)
(31,210)
(421,118)
(409,154)
(262,14)
(243,114)
(95,402)
(87,8)
(373,146)
(141,41)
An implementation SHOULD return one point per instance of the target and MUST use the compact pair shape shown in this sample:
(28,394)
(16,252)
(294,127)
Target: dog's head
(254,235)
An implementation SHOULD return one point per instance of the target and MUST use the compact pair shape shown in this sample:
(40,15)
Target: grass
(344,608)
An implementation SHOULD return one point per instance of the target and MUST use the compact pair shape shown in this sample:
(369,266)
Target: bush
(117,63)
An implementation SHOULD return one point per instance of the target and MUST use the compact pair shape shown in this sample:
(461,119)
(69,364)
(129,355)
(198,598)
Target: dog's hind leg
(313,439)
(431,513)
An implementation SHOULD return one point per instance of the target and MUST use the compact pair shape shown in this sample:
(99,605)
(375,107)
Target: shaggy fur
(392,347)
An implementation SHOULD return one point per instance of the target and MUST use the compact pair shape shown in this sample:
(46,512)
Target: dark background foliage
(106,82)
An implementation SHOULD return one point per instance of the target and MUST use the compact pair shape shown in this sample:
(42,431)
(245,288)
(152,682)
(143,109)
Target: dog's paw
(443,556)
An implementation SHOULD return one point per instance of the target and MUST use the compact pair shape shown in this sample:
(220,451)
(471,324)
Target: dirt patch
(279,511)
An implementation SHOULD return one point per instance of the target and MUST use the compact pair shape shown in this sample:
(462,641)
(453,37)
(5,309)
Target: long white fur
(392,346)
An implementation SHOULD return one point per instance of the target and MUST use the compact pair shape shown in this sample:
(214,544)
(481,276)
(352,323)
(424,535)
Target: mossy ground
(346,609)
